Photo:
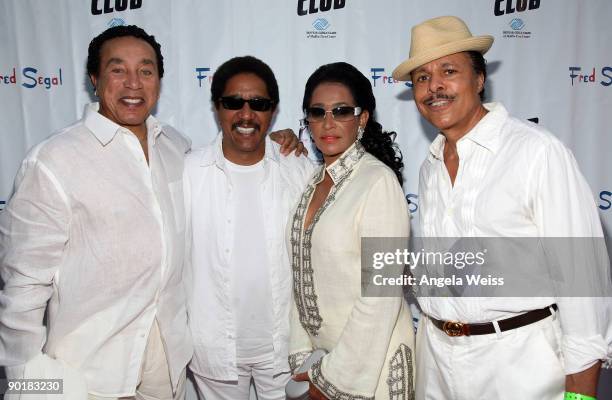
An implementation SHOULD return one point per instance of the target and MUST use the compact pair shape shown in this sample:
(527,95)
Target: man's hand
(289,142)
(313,392)
(584,382)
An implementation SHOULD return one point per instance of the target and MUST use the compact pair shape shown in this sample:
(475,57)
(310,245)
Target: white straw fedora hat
(436,38)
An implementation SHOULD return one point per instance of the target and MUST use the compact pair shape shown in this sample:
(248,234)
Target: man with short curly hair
(94,235)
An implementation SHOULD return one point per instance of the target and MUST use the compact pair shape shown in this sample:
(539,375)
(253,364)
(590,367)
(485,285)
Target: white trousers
(523,363)
(268,385)
(154,382)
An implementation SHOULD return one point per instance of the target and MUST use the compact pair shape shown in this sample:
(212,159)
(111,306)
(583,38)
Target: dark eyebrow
(114,60)
(117,60)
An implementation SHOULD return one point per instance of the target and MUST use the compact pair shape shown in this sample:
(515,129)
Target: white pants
(523,363)
(154,382)
(268,385)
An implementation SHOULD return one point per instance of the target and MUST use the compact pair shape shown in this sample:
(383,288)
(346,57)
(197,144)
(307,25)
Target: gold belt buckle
(453,328)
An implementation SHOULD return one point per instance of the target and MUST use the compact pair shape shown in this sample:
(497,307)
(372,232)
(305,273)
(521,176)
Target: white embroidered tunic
(370,339)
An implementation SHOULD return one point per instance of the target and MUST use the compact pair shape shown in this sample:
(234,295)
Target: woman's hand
(313,392)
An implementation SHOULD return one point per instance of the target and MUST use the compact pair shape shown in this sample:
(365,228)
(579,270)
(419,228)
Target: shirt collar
(343,166)
(105,130)
(214,155)
(486,133)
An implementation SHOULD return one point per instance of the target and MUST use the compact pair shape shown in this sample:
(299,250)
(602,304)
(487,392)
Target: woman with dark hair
(356,194)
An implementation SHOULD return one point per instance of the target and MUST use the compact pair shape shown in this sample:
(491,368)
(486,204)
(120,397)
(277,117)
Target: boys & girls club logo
(321,30)
(320,27)
(516,25)
(320,24)
(31,77)
(115,22)
(517,29)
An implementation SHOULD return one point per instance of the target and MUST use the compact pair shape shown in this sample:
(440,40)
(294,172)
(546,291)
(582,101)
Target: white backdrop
(536,44)
(539,45)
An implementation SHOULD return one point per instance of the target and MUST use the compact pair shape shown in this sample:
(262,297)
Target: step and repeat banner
(550,62)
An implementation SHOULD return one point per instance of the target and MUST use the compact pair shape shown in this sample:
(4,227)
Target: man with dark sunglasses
(241,190)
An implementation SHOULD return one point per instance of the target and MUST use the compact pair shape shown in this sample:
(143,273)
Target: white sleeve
(564,207)
(33,235)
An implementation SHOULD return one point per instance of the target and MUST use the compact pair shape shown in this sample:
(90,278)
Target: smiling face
(333,137)
(128,82)
(244,130)
(446,94)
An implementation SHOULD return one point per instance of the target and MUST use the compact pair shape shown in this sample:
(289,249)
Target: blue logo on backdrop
(320,24)
(379,77)
(202,75)
(606,200)
(413,206)
(576,75)
(31,77)
(322,31)
(115,22)
(517,24)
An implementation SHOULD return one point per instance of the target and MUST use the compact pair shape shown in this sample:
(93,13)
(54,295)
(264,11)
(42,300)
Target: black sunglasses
(256,103)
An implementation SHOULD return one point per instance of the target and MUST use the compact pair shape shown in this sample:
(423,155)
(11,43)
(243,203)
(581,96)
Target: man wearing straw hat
(489,174)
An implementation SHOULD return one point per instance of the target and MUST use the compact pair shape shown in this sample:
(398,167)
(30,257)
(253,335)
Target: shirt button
(227,250)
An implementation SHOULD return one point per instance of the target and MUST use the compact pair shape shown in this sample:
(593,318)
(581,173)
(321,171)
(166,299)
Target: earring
(360,131)
(96,92)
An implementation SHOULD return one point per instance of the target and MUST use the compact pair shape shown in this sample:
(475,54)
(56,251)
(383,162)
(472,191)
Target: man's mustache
(439,96)
(246,124)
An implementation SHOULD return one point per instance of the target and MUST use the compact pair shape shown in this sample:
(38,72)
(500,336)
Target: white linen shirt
(99,235)
(210,199)
(515,179)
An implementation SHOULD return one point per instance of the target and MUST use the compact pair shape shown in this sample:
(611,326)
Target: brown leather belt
(454,328)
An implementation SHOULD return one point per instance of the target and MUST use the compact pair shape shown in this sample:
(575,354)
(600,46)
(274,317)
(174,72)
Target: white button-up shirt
(99,235)
(515,179)
(210,197)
